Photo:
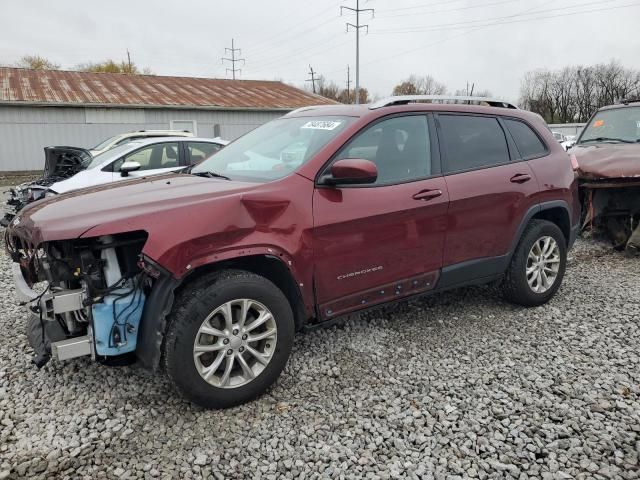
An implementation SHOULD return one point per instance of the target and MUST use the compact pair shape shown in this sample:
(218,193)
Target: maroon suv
(326,211)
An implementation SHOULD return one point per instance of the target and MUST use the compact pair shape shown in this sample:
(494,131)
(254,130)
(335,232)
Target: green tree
(36,62)
(111,66)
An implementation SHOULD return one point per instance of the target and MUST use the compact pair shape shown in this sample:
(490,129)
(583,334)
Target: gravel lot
(460,385)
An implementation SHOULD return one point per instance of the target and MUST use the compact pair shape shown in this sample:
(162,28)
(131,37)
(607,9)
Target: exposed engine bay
(612,208)
(86,295)
(60,163)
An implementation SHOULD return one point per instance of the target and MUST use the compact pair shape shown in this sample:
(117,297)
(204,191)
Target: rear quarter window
(527,141)
(472,142)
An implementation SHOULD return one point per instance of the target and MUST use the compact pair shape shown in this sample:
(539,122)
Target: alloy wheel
(543,264)
(235,343)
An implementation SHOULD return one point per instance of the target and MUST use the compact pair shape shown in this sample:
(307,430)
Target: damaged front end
(86,296)
(608,158)
(60,163)
(612,208)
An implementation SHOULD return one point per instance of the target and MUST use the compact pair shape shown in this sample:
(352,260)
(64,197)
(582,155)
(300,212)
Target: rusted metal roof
(57,87)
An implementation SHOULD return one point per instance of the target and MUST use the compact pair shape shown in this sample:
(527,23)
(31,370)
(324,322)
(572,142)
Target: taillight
(574,162)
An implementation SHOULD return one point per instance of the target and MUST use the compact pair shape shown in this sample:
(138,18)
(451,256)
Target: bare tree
(572,94)
(416,85)
(330,89)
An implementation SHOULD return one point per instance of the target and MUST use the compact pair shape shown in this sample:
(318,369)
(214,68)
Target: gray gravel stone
(460,385)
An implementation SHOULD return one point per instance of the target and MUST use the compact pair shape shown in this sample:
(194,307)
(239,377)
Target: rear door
(382,241)
(489,194)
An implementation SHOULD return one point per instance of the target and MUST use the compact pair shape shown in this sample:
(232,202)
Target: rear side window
(198,151)
(528,143)
(472,142)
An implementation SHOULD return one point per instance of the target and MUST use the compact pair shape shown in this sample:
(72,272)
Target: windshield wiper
(608,139)
(210,175)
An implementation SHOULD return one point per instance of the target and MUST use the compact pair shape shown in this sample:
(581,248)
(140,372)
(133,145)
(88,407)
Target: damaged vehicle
(608,157)
(123,138)
(71,168)
(207,274)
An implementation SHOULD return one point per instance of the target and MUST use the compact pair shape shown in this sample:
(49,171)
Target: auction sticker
(322,125)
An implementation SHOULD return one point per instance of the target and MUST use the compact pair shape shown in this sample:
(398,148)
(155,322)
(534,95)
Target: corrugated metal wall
(25,131)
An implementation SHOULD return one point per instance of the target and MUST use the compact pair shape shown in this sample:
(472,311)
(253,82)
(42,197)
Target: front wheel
(537,266)
(229,338)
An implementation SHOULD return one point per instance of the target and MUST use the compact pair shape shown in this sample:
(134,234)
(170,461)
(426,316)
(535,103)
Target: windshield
(275,149)
(618,125)
(114,153)
(105,143)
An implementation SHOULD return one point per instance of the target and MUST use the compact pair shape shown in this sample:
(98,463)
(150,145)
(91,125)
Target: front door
(382,241)
(153,159)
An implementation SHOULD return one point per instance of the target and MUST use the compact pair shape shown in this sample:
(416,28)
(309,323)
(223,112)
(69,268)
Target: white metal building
(39,108)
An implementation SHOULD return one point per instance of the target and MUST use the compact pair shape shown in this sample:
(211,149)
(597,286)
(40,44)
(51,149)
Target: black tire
(515,286)
(193,305)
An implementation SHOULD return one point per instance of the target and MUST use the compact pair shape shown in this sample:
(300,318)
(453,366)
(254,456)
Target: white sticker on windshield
(322,124)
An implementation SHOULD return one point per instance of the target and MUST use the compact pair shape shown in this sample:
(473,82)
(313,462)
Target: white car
(140,158)
(123,138)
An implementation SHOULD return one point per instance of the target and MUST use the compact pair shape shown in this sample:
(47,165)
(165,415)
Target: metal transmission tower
(313,78)
(357,28)
(233,59)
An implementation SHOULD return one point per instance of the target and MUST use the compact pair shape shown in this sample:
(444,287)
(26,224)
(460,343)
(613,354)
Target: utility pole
(348,86)
(313,78)
(357,28)
(233,59)
(129,60)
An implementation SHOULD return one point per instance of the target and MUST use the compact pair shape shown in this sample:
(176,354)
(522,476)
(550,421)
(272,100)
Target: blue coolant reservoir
(115,335)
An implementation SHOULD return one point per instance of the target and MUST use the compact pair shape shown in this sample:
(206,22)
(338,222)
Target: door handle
(427,194)
(520,178)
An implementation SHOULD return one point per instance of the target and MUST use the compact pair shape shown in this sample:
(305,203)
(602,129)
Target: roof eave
(19,103)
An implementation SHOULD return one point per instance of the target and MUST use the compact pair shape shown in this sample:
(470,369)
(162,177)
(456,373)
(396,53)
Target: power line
(447,10)
(288,34)
(357,28)
(233,59)
(303,52)
(498,20)
(479,27)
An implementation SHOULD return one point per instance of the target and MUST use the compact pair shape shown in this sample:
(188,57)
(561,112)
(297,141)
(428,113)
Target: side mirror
(352,171)
(127,167)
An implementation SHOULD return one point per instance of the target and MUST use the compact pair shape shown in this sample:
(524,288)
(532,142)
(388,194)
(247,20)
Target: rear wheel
(537,266)
(229,338)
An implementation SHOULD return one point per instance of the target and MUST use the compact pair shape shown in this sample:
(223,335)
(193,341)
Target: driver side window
(400,148)
(160,155)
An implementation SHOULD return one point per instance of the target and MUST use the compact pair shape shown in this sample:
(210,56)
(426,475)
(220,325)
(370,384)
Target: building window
(188,125)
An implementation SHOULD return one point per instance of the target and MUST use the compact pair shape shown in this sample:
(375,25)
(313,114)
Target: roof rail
(405,99)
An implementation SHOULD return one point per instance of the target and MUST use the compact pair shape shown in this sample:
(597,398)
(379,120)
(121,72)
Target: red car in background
(323,212)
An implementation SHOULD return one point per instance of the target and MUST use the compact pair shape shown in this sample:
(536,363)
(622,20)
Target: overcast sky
(489,42)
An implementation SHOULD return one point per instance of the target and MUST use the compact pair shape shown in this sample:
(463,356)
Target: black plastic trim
(462,273)
(154,319)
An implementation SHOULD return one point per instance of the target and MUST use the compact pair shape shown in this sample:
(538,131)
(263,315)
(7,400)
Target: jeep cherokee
(328,210)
